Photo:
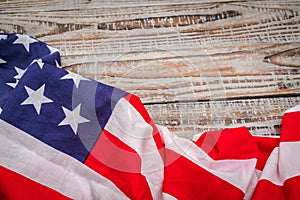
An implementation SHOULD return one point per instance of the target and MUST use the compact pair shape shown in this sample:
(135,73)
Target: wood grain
(197,65)
(261,116)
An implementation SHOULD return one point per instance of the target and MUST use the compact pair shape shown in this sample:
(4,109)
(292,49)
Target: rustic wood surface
(196,65)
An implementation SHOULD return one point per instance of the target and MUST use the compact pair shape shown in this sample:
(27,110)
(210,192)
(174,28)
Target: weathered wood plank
(165,76)
(261,116)
(179,56)
(289,58)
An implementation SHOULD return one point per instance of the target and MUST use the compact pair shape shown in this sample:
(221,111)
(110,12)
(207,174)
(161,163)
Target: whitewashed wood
(180,55)
(261,116)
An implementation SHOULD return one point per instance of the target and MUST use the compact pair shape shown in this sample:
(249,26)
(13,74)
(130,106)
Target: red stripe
(138,105)
(265,147)
(185,180)
(119,163)
(16,186)
(266,190)
(291,188)
(236,143)
(112,152)
(290,131)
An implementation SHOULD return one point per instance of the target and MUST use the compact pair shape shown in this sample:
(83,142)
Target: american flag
(64,136)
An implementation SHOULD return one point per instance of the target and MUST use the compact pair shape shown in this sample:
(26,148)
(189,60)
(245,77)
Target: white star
(76,78)
(57,65)
(36,98)
(19,75)
(0,110)
(39,62)
(20,72)
(52,50)
(2,61)
(73,118)
(25,41)
(13,85)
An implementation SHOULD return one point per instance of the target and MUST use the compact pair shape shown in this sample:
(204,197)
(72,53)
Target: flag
(64,136)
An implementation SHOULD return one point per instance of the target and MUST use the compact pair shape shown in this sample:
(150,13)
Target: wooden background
(197,65)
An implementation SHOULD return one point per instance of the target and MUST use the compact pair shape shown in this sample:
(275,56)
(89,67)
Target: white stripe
(289,162)
(236,172)
(197,136)
(294,109)
(252,185)
(39,162)
(283,163)
(128,125)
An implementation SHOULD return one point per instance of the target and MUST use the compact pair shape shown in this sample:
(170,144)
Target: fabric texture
(64,136)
